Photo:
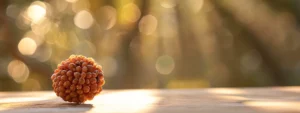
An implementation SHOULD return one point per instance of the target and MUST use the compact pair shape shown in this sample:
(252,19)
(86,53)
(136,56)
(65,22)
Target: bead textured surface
(77,79)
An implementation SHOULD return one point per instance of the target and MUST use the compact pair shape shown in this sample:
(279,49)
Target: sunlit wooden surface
(217,100)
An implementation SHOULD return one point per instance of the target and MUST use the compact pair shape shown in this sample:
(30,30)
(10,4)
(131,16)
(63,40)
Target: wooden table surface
(215,100)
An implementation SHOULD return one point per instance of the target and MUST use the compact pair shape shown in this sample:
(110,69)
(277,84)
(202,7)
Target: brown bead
(61,94)
(63,72)
(83,75)
(56,70)
(60,67)
(64,78)
(90,96)
(79,91)
(53,85)
(61,89)
(99,67)
(76,74)
(81,98)
(75,81)
(68,91)
(93,80)
(87,81)
(100,74)
(68,97)
(74,100)
(90,68)
(67,84)
(73,94)
(69,73)
(56,89)
(81,81)
(94,75)
(58,78)
(77,62)
(72,87)
(72,60)
(71,66)
(99,84)
(64,98)
(99,90)
(89,75)
(94,90)
(56,84)
(78,69)
(53,76)
(97,72)
(61,83)
(55,80)
(100,77)
(93,86)
(84,64)
(81,60)
(78,86)
(63,63)
(102,81)
(70,78)
(90,61)
(86,89)
(84,69)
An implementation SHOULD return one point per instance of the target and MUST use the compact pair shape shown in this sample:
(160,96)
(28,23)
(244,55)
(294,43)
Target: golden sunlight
(110,65)
(195,5)
(226,91)
(168,3)
(36,11)
(275,105)
(28,98)
(106,17)
(18,71)
(130,101)
(72,1)
(164,64)
(31,85)
(130,13)
(83,19)
(148,24)
(27,46)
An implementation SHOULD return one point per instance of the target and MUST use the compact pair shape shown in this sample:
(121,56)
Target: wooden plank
(214,100)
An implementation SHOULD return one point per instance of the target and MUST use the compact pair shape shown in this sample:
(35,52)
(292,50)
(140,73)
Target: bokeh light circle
(83,19)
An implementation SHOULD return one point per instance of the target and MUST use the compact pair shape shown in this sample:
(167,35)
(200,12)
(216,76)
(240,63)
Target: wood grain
(214,100)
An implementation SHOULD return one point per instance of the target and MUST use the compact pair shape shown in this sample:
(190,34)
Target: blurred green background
(152,43)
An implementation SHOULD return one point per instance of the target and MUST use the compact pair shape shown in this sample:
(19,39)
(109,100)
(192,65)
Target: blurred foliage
(152,43)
